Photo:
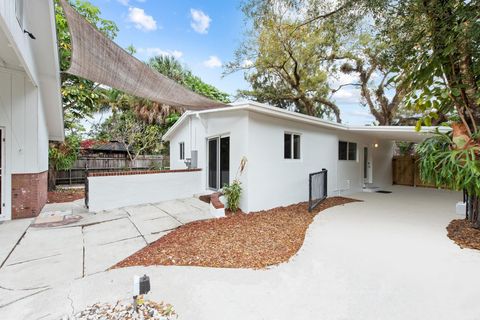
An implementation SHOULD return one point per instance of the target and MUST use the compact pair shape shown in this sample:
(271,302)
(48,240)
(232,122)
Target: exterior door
(218,162)
(367,166)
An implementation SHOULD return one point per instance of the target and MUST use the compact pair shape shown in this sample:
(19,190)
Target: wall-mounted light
(376,145)
(29,34)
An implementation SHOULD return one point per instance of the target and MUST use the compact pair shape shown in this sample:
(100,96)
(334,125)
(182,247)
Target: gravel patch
(148,310)
(255,240)
(463,233)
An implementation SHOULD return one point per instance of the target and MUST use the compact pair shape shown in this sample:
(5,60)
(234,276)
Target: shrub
(232,192)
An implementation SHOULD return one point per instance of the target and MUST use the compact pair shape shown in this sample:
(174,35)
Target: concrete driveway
(385,258)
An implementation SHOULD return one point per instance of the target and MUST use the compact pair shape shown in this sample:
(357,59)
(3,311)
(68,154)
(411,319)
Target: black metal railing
(317,188)
(86,186)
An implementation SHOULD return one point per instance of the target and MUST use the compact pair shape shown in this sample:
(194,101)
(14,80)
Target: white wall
(270,180)
(382,164)
(110,192)
(275,181)
(195,131)
(37,59)
(25,132)
(350,172)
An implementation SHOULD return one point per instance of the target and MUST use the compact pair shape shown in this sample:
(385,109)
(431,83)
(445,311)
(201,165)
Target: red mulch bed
(254,240)
(65,195)
(461,231)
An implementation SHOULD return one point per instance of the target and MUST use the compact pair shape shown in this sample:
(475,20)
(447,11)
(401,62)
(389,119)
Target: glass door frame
(218,138)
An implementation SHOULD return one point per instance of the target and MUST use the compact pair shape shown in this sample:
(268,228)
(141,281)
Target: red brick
(128,173)
(29,194)
(215,200)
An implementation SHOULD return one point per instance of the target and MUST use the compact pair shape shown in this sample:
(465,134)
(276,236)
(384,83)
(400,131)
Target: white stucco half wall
(110,192)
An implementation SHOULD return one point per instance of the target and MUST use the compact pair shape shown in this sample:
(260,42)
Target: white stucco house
(283,148)
(30,104)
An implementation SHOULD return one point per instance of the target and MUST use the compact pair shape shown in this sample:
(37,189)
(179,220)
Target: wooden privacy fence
(76,175)
(406,172)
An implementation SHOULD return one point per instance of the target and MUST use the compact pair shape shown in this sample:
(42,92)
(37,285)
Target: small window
(182,150)
(291,146)
(347,150)
(19,12)
(352,151)
(342,150)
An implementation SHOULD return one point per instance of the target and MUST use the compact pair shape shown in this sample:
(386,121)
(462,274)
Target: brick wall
(29,194)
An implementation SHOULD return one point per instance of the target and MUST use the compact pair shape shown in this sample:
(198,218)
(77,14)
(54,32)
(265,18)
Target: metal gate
(317,188)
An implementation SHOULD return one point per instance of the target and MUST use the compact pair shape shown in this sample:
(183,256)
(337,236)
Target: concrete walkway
(36,259)
(385,258)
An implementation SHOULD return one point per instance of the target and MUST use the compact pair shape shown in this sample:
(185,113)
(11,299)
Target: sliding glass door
(218,162)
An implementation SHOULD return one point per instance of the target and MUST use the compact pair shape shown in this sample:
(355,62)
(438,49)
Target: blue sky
(203,34)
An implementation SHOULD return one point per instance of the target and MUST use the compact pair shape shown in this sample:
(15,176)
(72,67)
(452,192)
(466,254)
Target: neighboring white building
(30,104)
(283,148)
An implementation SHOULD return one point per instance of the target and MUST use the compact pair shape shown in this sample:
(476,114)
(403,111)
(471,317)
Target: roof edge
(295,116)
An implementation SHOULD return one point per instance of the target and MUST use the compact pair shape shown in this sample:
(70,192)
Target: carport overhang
(396,133)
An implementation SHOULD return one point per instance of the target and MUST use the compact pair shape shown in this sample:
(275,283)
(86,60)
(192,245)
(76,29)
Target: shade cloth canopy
(97,58)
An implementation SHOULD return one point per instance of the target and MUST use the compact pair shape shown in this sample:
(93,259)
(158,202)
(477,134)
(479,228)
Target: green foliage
(287,66)
(233,192)
(438,48)
(136,135)
(62,156)
(405,147)
(173,69)
(444,166)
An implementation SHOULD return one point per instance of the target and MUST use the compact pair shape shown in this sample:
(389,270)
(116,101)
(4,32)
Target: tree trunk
(475,214)
(52,177)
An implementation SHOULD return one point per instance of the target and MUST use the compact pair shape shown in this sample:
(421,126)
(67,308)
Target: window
(347,150)
(182,150)
(342,150)
(19,12)
(352,151)
(291,146)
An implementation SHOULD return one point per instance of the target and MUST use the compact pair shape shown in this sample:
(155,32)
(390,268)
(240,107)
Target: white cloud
(200,21)
(247,63)
(141,20)
(150,52)
(127,2)
(212,62)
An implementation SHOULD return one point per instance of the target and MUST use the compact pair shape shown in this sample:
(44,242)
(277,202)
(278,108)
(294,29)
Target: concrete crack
(24,289)
(71,303)
(22,298)
(125,239)
(83,253)
(15,246)
(36,259)
(172,216)
(138,230)
(91,223)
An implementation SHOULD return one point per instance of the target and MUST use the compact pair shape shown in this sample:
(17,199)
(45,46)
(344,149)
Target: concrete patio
(37,259)
(385,258)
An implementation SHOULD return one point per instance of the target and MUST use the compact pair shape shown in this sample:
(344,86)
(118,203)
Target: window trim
(292,145)
(182,150)
(347,151)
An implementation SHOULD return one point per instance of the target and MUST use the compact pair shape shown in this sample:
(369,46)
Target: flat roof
(401,133)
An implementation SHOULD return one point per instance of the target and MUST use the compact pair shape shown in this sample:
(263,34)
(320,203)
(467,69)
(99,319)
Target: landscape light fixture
(141,286)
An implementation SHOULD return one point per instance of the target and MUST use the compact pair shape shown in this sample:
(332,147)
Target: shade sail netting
(97,58)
